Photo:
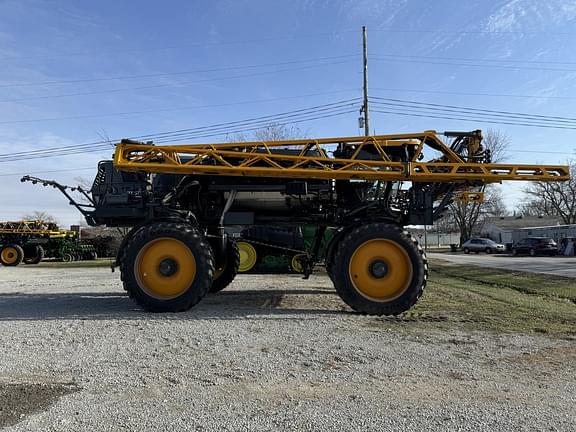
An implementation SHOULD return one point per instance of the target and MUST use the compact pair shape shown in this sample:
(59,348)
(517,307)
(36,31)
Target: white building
(511,229)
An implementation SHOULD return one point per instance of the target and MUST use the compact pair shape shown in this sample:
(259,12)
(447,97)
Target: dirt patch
(17,400)
(563,357)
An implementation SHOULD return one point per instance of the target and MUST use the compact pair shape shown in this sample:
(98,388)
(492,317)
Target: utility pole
(365,105)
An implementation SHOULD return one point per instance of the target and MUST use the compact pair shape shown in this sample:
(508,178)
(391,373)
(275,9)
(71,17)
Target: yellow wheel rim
(380,270)
(297,264)
(9,255)
(248,256)
(165,268)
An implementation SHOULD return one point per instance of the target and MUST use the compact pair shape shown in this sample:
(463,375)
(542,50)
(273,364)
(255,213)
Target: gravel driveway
(274,352)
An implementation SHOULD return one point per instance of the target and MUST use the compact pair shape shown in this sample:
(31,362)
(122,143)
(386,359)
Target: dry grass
(476,298)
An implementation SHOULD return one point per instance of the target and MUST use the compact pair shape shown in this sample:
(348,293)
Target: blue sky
(75,72)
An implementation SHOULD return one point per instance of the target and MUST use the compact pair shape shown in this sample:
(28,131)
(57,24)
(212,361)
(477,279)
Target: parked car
(482,245)
(535,246)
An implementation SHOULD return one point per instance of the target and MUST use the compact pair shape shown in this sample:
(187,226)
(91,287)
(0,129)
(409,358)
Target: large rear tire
(379,270)
(33,254)
(11,255)
(331,251)
(167,267)
(227,271)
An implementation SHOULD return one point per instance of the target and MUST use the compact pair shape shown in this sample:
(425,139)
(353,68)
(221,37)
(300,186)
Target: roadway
(558,266)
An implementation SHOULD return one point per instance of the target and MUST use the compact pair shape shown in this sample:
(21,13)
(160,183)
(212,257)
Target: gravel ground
(270,353)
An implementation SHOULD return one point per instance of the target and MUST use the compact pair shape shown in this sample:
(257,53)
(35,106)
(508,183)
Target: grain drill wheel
(226,271)
(11,255)
(379,270)
(167,267)
(33,254)
(296,263)
(67,257)
(248,256)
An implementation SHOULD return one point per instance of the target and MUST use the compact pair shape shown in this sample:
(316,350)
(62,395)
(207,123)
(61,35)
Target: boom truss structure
(35,228)
(394,157)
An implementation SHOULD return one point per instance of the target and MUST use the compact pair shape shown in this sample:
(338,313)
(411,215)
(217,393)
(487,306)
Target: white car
(482,245)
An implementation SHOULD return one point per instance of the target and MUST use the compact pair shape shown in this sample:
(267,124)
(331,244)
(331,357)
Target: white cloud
(531,15)
(383,11)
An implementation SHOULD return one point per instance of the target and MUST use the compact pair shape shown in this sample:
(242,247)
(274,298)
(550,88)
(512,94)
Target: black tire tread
(231,267)
(364,305)
(202,254)
(20,252)
(37,257)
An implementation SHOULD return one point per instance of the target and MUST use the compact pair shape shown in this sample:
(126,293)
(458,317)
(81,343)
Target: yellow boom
(310,159)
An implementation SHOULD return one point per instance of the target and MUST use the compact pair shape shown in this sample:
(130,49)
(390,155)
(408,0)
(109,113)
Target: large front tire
(379,270)
(11,255)
(167,267)
(226,271)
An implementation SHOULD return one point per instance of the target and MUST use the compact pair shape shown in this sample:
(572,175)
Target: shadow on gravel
(117,306)
(17,400)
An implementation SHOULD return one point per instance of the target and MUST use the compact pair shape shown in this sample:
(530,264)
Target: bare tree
(273,132)
(83,182)
(470,216)
(553,199)
(497,142)
(41,216)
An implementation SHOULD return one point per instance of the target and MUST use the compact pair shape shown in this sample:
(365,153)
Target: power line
(202,128)
(53,54)
(540,151)
(512,150)
(316,59)
(507,95)
(268,117)
(235,131)
(49,171)
(190,45)
(184,137)
(477,59)
(476,32)
(446,117)
(490,66)
(164,74)
(90,93)
(256,123)
(116,114)
(454,108)
(305,114)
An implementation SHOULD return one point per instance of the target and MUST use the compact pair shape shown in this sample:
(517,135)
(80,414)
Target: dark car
(535,246)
